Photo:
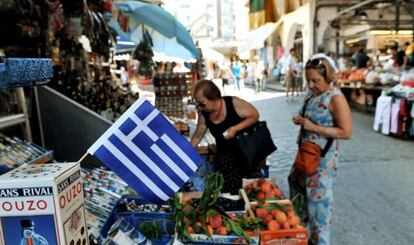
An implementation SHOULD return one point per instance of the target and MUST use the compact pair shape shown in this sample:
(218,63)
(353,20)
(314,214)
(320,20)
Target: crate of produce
(278,221)
(200,219)
(152,220)
(262,189)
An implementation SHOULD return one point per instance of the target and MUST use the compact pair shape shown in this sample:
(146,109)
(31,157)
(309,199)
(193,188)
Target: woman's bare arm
(200,130)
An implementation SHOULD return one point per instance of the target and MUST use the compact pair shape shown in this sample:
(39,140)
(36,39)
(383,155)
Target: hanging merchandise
(143,53)
(171,91)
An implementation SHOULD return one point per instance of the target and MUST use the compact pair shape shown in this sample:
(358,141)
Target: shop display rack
(103,190)
(172,90)
(15,152)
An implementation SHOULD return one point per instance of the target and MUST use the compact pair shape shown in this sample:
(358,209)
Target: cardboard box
(44,202)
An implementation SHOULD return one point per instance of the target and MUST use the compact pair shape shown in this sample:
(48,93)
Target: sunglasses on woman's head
(314,62)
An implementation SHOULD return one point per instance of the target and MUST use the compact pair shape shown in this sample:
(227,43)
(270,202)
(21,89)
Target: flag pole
(83,157)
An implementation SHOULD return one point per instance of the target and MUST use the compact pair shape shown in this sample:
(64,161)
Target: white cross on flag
(147,152)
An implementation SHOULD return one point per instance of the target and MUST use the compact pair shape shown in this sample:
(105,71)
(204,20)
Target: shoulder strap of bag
(330,140)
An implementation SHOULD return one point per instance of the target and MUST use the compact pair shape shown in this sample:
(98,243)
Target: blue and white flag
(147,152)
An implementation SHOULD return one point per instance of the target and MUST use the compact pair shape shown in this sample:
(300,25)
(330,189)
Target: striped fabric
(147,152)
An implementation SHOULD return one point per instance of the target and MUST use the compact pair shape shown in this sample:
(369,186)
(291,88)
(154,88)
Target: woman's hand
(296,119)
(230,133)
(307,124)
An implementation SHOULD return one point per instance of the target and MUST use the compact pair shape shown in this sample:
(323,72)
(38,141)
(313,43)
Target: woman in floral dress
(327,115)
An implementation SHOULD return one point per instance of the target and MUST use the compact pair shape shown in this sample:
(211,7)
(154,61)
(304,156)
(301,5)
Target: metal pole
(397,17)
(22,103)
(412,12)
(39,117)
(219,18)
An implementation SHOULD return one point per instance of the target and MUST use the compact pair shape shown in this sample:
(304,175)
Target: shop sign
(42,204)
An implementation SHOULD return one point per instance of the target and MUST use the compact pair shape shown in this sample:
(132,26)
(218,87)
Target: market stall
(260,214)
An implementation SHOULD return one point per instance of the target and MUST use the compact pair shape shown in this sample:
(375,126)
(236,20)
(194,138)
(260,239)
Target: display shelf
(11,120)
(47,157)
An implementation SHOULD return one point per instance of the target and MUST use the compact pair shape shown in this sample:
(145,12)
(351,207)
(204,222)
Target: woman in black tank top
(224,117)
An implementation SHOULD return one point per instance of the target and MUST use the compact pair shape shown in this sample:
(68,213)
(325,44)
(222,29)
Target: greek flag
(147,152)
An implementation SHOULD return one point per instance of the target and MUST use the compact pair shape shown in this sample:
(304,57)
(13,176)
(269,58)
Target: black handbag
(255,144)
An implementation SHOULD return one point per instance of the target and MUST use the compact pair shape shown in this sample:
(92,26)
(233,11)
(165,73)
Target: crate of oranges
(277,221)
(262,189)
(280,222)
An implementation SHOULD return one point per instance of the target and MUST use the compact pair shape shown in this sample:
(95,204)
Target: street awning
(257,37)
(211,54)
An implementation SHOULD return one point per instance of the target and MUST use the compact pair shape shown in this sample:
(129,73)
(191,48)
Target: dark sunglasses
(200,105)
(316,64)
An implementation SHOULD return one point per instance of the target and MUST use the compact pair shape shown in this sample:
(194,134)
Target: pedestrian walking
(236,70)
(224,117)
(325,118)
(258,71)
(225,74)
(289,65)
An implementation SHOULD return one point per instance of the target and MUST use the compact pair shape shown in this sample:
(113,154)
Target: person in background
(298,67)
(265,76)
(250,74)
(224,117)
(327,115)
(401,58)
(398,57)
(224,74)
(290,62)
(361,59)
(235,68)
(258,69)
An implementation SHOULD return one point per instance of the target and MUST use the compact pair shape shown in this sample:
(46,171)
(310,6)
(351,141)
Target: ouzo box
(43,202)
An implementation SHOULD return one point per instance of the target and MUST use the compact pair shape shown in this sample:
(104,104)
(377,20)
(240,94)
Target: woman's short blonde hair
(323,67)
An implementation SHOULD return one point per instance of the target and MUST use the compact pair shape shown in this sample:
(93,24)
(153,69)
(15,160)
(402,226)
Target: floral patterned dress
(320,186)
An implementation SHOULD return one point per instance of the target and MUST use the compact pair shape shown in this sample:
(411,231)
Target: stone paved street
(375,184)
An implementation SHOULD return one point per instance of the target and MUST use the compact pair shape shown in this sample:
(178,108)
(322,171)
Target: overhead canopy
(212,54)
(160,20)
(257,37)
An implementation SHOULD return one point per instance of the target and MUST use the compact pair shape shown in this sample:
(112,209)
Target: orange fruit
(297,226)
(266,186)
(222,230)
(249,233)
(254,185)
(261,212)
(215,221)
(187,200)
(273,225)
(260,196)
(285,226)
(277,192)
(267,218)
(210,230)
(292,221)
(190,229)
(269,195)
(280,217)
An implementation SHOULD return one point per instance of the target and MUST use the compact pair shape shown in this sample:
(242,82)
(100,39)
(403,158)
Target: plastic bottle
(29,236)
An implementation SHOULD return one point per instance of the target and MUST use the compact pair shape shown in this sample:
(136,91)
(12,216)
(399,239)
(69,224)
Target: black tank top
(217,130)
